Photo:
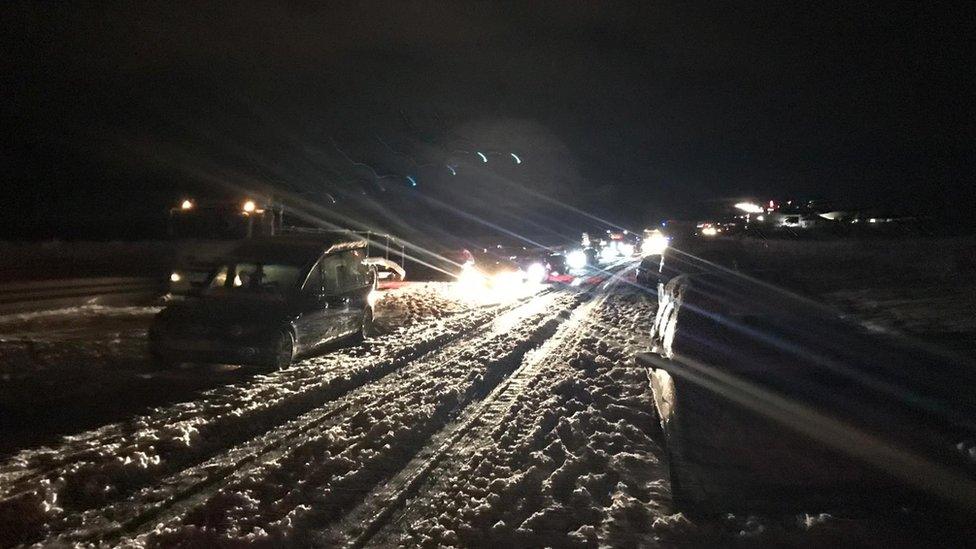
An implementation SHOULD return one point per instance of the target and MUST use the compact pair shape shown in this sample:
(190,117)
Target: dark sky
(630,112)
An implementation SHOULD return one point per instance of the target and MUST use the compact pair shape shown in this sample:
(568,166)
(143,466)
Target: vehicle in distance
(557,270)
(271,300)
(388,272)
(649,272)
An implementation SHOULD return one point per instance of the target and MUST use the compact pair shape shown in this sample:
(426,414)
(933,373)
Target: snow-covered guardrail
(50,294)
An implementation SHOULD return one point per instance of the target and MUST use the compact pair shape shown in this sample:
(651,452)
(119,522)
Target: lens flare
(536,273)
(576,259)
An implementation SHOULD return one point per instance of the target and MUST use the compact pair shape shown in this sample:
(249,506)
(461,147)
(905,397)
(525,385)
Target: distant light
(655,243)
(749,207)
(536,273)
(709,231)
(186,205)
(872,220)
(760,218)
(772,204)
(175,277)
(249,206)
(413,182)
(517,159)
(576,259)
(483,157)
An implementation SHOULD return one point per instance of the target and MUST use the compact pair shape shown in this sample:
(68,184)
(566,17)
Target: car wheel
(284,351)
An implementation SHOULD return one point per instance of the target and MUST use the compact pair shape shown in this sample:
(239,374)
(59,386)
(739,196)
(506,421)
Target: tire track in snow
(31,499)
(316,482)
(389,504)
(358,527)
(187,487)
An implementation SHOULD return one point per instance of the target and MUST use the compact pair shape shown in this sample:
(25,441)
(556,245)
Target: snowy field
(473,420)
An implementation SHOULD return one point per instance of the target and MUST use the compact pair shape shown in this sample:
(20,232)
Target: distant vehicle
(271,300)
(534,265)
(490,270)
(558,269)
(709,229)
(208,230)
(387,271)
(650,270)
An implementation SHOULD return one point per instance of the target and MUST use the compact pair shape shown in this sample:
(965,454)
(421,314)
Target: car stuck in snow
(269,301)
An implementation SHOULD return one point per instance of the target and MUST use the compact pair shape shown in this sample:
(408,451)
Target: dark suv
(269,301)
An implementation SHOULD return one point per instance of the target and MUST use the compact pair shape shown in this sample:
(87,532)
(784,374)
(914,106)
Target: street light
(249,207)
(483,157)
(186,205)
(517,159)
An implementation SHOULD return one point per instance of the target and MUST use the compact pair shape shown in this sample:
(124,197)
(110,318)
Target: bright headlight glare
(654,244)
(470,276)
(536,272)
(175,277)
(506,281)
(576,259)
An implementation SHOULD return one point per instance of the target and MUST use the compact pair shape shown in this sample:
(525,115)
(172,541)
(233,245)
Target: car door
(319,321)
(339,298)
(355,281)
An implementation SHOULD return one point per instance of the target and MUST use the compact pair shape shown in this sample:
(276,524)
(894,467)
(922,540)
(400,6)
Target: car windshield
(255,278)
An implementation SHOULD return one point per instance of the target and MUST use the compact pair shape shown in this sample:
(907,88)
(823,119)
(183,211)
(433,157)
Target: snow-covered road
(440,352)
(472,421)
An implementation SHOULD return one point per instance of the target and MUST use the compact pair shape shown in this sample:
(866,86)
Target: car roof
(293,249)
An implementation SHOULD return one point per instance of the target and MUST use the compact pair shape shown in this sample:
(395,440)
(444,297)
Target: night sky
(630,112)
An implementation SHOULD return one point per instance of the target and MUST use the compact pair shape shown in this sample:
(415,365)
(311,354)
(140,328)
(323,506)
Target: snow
(113,462)
(473,420)
(570,463)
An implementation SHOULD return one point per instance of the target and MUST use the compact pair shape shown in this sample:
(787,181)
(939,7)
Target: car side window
(331,281)
(348,276)
(314,284)
(359,274)
(363,272)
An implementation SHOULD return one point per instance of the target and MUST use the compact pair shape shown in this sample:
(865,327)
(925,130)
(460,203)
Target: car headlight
(536,272)
(655,244)
(576,259)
